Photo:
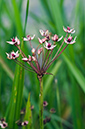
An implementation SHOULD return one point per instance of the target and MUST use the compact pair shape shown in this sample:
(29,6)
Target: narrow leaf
(28,114)
(17,19)
(27,8)
(6,68)
(76,72)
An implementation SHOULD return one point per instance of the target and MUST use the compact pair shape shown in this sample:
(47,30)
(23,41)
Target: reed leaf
(28,114)
(75,72)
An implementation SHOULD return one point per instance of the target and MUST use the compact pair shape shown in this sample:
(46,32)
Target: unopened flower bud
(52,110)
(39,51)
(30,58)
(33,51)
(33,58)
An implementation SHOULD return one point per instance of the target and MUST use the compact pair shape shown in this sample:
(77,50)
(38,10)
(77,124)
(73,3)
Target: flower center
(13,55)
(13,40)
(49,45)
(68,28)
(4,124)
(28,36)
(69,39)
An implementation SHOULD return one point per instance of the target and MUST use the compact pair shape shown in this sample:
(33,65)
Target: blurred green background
(65,92)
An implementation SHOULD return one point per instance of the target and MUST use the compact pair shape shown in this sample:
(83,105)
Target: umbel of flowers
(42,56)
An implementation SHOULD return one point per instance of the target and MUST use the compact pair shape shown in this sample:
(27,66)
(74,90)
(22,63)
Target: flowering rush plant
(42,56)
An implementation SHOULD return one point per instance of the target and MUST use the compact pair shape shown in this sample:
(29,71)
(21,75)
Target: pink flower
(68,30)
(40,50)
(49,46)
(44,32)
(24,123)
(15,41)
(45,103)
(29,38)
(3,124)
(13,55)
(70,40)
(56,38)
(42,40)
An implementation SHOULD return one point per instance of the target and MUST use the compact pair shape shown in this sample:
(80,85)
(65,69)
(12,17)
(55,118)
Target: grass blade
(6,68)
(76,73)
(17,19)
(76,107)
(28,114)
(56,15)
(27,8)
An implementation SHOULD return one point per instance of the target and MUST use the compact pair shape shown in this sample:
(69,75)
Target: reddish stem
(48,58)
(31,70)
(55,57)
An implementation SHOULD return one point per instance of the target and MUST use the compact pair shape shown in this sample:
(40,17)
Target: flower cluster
(41,56)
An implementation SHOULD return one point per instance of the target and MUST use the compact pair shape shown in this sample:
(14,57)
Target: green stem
(41,103)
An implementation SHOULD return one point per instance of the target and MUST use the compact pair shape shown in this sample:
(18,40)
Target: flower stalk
(41,102)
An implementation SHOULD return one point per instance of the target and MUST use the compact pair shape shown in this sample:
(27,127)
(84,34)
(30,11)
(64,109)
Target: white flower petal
(73,32)
(60,38)
(72,42)
(70,31)
(30,58)
(32,37)
(41,32)
(52,46)
(40,41)
(17,40)
(46,33)
(25,39)
(25,59)
(10,42)
(46,43)
(64,29)
(66,41)
(75,37)
(33,58)
(9,56)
